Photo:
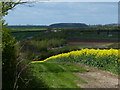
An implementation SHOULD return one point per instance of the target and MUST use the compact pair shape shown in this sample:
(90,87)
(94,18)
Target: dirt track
(98,78)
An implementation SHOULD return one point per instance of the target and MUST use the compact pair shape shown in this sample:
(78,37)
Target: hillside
(68,25)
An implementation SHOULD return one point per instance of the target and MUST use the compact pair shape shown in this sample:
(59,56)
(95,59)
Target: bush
(9,59)
(13,68)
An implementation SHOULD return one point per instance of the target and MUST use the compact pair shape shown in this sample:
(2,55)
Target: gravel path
(97,78)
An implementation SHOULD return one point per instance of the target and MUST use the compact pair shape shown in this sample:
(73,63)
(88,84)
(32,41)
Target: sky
(46,13)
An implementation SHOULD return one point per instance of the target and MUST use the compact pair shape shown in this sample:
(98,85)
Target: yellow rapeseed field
(97,53)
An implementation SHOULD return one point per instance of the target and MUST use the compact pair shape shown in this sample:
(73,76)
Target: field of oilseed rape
(104,59)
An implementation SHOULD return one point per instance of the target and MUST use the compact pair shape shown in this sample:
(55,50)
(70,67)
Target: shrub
(8,59)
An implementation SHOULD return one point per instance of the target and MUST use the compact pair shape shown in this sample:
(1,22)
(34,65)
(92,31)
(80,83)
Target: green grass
(58,75)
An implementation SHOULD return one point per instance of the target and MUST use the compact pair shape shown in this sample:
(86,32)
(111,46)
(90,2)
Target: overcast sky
(46,13)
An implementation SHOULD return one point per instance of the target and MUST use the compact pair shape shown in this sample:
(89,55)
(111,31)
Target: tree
(9,56)
(6,6)
(10,62)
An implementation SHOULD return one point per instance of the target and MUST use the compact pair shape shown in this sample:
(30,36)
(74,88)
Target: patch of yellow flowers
(86,52)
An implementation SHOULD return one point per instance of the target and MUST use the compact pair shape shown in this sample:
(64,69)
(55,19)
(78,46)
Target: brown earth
(97,78)
(90,42)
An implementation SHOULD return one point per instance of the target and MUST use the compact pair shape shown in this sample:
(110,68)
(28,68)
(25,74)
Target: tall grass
(52,43)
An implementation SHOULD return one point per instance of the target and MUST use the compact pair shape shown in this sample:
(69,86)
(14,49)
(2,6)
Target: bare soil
(91,42)
(97,78)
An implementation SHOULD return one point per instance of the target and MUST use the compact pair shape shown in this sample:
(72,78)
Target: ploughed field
(95,42)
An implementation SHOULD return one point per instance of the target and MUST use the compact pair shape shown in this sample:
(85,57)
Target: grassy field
(58,75)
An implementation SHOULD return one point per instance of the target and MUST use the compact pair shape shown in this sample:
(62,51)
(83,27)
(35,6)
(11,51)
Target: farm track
(97,78)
